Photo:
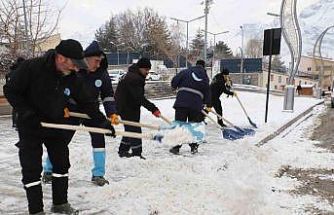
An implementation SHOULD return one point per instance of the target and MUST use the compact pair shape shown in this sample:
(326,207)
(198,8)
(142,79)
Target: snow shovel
(165,119)
(243,108)
(196,130)
(245,131)
(229,134)
(171,125)
(150,136)
(125,122)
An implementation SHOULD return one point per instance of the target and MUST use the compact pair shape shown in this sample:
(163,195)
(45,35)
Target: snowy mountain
(313,21)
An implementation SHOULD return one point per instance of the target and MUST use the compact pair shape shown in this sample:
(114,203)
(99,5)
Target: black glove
(107,125)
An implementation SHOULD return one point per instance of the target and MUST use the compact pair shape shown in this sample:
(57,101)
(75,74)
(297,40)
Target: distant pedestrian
(299,89)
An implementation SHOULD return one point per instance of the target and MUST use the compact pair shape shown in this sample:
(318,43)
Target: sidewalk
(5,108)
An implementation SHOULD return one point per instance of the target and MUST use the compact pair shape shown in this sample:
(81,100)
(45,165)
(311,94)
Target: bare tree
(254,48)
(142,31)
(11,28)
(41,23)
(177,39)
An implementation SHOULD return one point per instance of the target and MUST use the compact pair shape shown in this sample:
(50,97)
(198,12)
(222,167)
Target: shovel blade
(231,134)
(249,131)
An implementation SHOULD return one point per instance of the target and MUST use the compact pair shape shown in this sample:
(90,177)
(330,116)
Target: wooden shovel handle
(125,122)
(211,119)
(165,119)
(96,130)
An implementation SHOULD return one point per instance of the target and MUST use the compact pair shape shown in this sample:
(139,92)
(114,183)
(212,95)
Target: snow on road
(225,177)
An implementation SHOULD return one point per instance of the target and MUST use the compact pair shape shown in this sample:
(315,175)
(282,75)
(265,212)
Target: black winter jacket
(193,88)
(40,93)
(130,93)
(218,86)
(99,85)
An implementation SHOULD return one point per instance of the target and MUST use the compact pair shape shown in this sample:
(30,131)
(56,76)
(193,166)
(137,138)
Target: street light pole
(187,45)
(214,45)
(117,50)
(242,55)
(187,23)
(117,55)
(206,11)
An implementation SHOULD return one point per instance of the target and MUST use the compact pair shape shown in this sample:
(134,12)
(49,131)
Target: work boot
(99,180)
(64,209)
(221,123)
(175,150)
(47,178)
(39,213)
(140,156)
(124,154)
(193,148)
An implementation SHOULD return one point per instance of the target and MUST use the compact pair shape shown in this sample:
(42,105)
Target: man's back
(193,88)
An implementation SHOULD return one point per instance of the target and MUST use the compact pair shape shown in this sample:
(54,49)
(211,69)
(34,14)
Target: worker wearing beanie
(129,98)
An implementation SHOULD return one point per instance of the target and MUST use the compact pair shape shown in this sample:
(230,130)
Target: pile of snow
(225,177)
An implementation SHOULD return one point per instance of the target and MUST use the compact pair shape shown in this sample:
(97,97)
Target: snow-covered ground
(225,177)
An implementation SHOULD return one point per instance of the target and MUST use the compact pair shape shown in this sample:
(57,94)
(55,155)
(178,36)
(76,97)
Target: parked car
(153,76)
(115,74)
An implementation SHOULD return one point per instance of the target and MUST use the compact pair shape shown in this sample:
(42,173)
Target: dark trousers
(97,140)
(30,154)
(188,115)
(14,118)
(216,104)
(128,143)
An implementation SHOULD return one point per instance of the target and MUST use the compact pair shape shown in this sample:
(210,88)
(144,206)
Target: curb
(284,127)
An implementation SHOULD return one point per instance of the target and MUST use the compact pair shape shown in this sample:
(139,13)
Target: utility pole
(242,55)
(206,12)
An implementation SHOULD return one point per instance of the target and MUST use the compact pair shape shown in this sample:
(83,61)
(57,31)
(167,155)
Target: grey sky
(81,18)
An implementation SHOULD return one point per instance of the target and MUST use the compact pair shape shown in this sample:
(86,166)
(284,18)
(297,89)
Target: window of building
(279,79)
(309,68)
(271,77)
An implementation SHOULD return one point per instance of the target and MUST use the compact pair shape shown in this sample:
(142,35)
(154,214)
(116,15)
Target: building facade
(311,67)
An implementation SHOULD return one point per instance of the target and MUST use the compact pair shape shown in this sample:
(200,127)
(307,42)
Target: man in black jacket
(129,98)
(38,90)
(218,86)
